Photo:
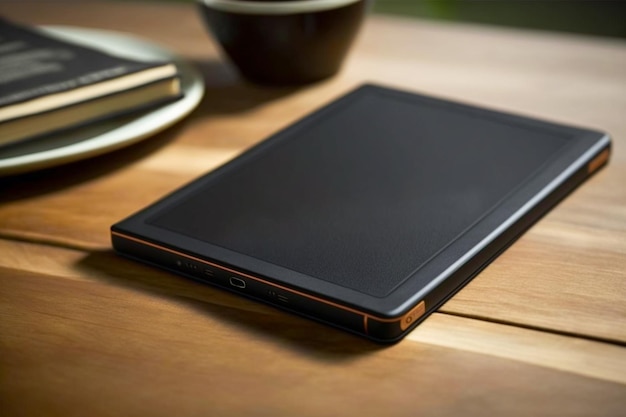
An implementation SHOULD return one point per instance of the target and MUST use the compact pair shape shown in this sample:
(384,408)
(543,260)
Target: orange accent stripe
(415,313)
(365,329)
(321,300)
(598,161)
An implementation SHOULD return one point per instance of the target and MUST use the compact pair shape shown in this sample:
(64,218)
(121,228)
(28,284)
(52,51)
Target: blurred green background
(595,17)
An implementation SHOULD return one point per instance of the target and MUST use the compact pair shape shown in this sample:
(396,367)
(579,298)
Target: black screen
(368,193)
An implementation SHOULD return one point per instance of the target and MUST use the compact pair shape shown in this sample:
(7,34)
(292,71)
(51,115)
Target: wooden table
(542,331)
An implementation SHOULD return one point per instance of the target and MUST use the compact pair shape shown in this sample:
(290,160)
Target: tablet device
(369,213)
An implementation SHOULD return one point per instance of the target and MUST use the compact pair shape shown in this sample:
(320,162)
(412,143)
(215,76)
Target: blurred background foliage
(594,17)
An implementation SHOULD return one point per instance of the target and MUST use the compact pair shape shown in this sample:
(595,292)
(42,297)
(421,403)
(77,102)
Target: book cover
(40,74)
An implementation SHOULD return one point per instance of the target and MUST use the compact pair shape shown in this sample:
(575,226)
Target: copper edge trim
(366,316)
(598,161)
(416,312)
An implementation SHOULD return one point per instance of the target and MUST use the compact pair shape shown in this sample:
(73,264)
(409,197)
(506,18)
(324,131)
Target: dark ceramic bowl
(285,42)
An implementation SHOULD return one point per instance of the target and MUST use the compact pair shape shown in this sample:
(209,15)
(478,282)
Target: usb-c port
(237,282)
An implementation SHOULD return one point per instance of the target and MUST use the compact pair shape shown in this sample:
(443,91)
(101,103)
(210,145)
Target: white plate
(109,135)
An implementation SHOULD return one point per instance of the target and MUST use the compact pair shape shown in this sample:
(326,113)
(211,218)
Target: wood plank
(575,282)
(71,347)
(570,354)
(570,278)
(104,270)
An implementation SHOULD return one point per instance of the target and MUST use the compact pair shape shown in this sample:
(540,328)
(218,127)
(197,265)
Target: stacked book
(48,84)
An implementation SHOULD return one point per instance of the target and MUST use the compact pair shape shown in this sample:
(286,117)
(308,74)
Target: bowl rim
(275,7)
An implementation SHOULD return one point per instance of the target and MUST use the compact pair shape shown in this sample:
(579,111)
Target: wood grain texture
(103,268)
(90,344)
(566,274)
(541,331)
